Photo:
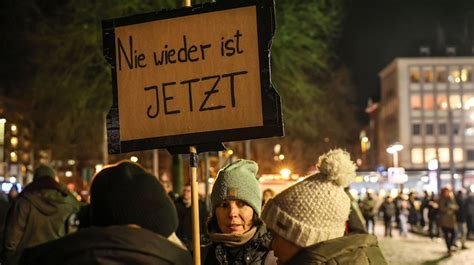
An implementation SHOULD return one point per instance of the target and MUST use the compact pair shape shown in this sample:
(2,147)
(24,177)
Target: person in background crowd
(388,209)
(13,194)
(41,213)
(133,222)
(237,233)
(185,218)
(447,217)
(424,209)
(470,213)
(403,216)
(398,201)
(356,222)
(433,228)
(267,195)
(413,211)
(368,210)
(461,225)
(168,186)
(307,220)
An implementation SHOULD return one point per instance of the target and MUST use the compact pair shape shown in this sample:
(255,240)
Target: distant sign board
(397,175)
(192,76)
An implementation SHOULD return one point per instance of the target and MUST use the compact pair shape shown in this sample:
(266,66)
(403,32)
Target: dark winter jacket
(388,209)
(254,252)
(358,249)
(461,213)
(368,208)
(40,214)
(447,213)
(111,245)
(185,221)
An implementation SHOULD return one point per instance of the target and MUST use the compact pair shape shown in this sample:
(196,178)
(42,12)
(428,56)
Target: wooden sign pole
(195,195)
(195,204)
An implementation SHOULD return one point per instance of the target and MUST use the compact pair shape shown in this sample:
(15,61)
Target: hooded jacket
(112,245)
(40,214)
(360,249)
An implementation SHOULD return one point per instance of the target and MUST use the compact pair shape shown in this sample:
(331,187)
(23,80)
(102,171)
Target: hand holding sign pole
(191,78)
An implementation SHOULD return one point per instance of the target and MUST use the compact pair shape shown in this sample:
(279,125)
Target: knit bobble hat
(44,171)
(125,193)
(317,208)
(238,181)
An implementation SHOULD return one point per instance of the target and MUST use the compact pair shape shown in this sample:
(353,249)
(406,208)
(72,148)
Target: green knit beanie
(238,181)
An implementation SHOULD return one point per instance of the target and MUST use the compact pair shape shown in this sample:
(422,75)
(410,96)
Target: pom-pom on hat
(238,181)
(125,193)
(317,208)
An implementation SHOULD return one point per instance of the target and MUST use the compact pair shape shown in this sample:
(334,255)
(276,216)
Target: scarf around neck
(232,240)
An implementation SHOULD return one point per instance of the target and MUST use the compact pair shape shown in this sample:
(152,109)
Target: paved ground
(421,250)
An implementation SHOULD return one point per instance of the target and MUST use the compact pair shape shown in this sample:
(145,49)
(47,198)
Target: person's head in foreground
(308,219)
(133,221)
(236,199)
(235,228)
(126,194)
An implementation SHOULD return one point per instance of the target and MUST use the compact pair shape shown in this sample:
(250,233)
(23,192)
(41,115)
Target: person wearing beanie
(133,221)
(41,213)
(308,220)
(237,233)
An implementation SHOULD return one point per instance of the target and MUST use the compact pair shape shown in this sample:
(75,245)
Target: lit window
(468,101)
(414,75)
(443,155)
(442,102)
(430,154)
(441,75)
(427,75)
(454,76)
(455,101)
(415,102)
(417,156)
(466,74)
(470,131)
(428,102)
(458,155)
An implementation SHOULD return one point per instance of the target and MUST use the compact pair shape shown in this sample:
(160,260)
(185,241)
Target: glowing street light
(394,149)
(285,173)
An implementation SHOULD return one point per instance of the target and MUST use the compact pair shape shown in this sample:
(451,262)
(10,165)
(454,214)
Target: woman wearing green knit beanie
(237,233)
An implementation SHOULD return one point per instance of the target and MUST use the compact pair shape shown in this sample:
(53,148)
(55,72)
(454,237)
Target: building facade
(427,105)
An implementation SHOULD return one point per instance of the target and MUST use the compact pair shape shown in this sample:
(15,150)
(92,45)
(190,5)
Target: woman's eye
(224,204)
(240,204)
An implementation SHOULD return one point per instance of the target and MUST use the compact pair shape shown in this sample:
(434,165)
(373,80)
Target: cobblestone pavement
(421,250)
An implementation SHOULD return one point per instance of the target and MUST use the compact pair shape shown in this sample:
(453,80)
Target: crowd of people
(448,215)
(132,219)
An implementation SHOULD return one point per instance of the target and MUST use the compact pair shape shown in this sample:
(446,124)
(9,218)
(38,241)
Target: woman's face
(234,217)
(283,249)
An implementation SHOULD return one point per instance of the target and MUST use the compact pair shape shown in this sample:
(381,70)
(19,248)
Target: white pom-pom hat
(317,208)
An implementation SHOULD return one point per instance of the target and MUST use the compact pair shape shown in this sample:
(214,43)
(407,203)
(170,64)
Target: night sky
(377,31)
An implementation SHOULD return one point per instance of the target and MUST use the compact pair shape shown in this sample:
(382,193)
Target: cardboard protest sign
(192,76)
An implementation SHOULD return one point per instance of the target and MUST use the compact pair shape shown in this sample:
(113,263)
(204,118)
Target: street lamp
(394,149)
